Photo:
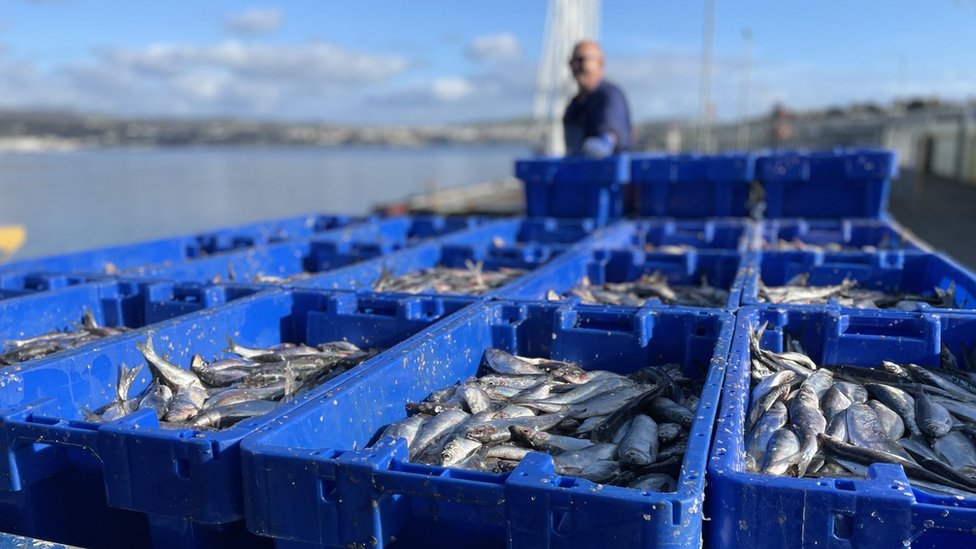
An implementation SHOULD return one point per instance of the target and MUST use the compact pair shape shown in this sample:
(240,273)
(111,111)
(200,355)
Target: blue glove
(599,147)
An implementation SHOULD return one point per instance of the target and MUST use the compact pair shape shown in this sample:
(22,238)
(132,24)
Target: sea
(84,199)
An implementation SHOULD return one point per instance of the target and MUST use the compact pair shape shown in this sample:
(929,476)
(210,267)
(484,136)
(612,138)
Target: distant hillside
(59,130)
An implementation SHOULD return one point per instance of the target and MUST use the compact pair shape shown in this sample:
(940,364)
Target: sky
(376,62)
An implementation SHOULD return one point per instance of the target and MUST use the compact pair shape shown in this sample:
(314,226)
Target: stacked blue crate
(692,185)
(576,187)
(302,476)
(827,184)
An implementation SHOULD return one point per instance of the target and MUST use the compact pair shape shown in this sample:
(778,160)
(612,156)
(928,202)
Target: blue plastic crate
(116,304)
(845,234)
(401,230)
(913,272)
(752,510)
(838,183)
(341,248)
(365,275)
(18,284)
(708,234)
(722,269)
(339,496)
(516,243)
(114,259)
(283,260)
(691,185)
(575,187)
(185,485)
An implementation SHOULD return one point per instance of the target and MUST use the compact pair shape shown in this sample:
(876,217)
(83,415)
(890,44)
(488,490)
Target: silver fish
(225,416)
(435,428)
(640,445)
(758,439)
(933,418)
(175,376)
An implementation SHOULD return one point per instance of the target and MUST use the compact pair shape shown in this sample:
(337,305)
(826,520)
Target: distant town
(857,124)
(38,131)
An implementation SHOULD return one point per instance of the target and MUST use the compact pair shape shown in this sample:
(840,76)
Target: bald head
(587,65)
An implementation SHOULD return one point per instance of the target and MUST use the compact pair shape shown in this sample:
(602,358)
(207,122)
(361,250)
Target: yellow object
(11,239)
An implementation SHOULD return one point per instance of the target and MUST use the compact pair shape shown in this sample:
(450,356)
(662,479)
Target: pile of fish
(818,421)
(847,294)
(668,248)
(605,427)
(798,245)
(654,286)
(271,279)
(473,279)
(220,393)
(20,350)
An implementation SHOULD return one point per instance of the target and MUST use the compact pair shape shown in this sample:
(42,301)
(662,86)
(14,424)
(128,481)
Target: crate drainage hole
(844,485)
(561,524)
(565,482)
(843,526)
(329,488)
(183,468)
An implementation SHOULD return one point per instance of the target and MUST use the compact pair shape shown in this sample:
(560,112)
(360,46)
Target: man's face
(587,66)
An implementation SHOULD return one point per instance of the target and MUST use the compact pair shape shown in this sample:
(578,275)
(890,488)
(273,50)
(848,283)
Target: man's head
(587,65)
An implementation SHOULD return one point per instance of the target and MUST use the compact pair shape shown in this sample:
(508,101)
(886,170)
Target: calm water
(78,200)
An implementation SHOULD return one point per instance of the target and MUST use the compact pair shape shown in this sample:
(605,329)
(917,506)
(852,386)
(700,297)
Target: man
(597,120)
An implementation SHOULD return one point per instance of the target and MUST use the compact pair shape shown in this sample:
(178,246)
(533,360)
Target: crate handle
(20,430)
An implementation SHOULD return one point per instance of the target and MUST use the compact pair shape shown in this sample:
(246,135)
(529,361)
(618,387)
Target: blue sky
(386,62)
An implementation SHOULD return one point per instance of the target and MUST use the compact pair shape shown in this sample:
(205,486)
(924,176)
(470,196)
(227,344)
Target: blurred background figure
(597,120)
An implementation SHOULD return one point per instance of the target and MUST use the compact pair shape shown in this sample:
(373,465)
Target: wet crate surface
(721,269)
(342,496)
(753,510)
(890,272)
(693,185)
(184,484)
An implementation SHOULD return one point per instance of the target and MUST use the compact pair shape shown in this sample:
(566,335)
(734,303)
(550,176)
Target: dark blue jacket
(599,112)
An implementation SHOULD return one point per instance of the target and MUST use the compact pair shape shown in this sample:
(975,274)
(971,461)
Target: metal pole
(705,81)
(742,138)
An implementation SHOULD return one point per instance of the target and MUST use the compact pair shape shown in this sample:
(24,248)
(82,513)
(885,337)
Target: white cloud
(494,47)
(450,88)
(294,81)
(255,22)
(316,60)
(502,92)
